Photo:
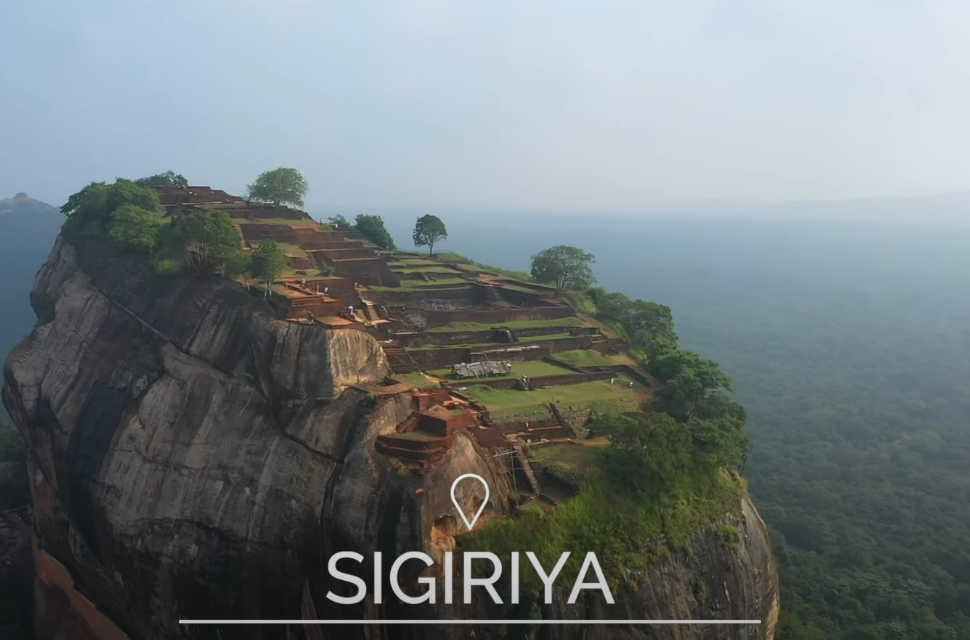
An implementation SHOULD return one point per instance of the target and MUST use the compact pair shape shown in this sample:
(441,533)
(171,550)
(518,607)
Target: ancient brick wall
(373,272)
(531,332)
(430,318)
(514,353)
(450,337)
(569,378)
(349,253)
(439,358)
(449,298)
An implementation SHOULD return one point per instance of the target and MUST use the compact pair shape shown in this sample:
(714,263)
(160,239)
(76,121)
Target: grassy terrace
(490,345)
(597,395)
(420,284)
(591,358)
(533,369)
(423,269)
(572,457)
(292,223)
(417,380)
(519,324)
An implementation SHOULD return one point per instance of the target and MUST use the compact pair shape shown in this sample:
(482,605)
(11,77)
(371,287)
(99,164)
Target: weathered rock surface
(191,456)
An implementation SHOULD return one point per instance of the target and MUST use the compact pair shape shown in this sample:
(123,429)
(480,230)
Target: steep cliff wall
(194,457)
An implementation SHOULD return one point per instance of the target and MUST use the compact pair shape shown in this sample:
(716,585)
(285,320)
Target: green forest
(847,337)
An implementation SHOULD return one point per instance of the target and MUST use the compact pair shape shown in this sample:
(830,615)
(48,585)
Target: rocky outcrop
(192,456)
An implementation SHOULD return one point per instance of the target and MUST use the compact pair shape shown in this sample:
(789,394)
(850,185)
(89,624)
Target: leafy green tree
(649,327)
(204,239)
(134,228)
(124,192)
(268,263)
(690,380)
(428,231)
(372,227)
(651,453)
(239,265)
(278,186)
(88,206)
(567,267)
(167,179)
(90,209)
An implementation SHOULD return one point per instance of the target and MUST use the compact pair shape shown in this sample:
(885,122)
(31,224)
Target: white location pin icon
(461,511)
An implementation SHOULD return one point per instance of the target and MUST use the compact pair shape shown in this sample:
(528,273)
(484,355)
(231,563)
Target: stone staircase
(399,359)
(370,311)
(526,467)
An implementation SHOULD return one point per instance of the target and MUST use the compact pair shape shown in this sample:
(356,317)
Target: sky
(506,104)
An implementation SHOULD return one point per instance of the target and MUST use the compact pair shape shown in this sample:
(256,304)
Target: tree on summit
(372,227)
(167,179)
(428,231)
(204,239)
(282,185)
(567,267)
(268,263)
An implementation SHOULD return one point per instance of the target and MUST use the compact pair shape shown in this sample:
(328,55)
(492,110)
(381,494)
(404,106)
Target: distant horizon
(697,207)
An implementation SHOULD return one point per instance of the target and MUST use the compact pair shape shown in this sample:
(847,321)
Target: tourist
(351,310)
(326,291)
(612,380)
(631,385)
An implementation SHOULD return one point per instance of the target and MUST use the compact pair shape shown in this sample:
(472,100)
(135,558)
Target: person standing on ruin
(612,380)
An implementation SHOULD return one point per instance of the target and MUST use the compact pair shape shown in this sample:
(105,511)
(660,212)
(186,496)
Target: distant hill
(28,228)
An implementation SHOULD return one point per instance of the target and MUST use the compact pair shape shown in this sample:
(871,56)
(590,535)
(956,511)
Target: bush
(135,229)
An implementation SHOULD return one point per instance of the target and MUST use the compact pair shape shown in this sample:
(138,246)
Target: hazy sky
(507,104)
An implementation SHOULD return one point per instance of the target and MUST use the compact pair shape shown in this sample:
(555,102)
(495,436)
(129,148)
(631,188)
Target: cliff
(193,456)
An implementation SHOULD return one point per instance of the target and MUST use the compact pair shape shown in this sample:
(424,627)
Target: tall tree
(90,208)
(167,179)
(373,228)
(690,380)
(567,267)
(135,228)
(428,231)
(205,239)
(268,263)
(278,186)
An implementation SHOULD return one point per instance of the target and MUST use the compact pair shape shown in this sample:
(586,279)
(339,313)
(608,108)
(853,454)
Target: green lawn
(573,457)
(597,395)
(416,380)
(515,324)
(421,262)
(586,358)
(551,336)
(420,284)
(532,368)
(425,269)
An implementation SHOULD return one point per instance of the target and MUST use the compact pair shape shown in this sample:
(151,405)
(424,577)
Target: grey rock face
(192,456)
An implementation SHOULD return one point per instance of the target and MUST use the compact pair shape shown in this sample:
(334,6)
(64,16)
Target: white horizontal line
(370,622)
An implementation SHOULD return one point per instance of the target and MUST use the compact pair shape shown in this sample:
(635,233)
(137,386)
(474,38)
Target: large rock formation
(192,456)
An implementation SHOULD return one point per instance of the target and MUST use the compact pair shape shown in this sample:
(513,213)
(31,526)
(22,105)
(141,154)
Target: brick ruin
(338,279)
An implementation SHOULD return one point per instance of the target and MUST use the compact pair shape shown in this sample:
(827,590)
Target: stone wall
(491,335)
(461,296)
(373,272)
(429,318)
